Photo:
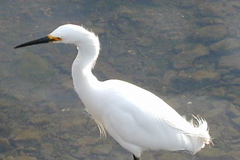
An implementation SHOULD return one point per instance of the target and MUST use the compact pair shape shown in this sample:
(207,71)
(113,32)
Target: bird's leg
(135,158)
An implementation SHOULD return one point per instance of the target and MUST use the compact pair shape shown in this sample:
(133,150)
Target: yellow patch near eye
(52,38)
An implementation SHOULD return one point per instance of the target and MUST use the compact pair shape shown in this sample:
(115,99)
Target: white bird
(136,118)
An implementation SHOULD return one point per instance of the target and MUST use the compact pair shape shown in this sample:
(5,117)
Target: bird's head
(67,33)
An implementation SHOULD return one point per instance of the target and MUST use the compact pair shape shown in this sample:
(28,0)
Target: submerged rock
(210,33)
(40,119)
(210,9)
(200,75)
(186,58)
(28,135)
(225,46)
(232,61)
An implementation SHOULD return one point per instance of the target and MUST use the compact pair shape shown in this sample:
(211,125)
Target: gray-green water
(186,52)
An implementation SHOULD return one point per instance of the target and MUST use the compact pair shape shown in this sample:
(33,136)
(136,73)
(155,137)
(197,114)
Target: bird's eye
(58,38)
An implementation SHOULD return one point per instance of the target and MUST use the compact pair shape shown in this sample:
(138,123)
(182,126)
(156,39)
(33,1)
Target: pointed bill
(46,39)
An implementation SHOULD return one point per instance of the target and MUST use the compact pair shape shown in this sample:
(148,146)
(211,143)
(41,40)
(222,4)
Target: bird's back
(139,121)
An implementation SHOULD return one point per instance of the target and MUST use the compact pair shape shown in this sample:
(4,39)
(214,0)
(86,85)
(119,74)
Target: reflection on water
(187,53)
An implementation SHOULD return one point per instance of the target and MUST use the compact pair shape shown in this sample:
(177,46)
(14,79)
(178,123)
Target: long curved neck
(83,79)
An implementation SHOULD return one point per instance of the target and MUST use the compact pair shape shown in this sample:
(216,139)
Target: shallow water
(187,53)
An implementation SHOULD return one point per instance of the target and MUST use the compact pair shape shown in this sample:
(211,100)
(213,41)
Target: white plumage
(136,118)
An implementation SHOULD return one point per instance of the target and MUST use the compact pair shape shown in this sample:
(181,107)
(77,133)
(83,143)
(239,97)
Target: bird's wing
(139,117)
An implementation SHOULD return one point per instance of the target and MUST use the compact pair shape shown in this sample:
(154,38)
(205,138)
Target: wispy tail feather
(199,135)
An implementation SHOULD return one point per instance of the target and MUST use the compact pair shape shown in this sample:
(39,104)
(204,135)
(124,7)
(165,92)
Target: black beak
(37,41)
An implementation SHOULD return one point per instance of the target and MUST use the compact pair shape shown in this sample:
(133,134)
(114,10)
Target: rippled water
(185,52)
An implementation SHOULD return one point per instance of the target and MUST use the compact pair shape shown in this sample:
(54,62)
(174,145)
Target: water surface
(185,52)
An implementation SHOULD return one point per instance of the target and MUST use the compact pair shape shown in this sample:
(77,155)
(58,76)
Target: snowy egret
(136,118)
